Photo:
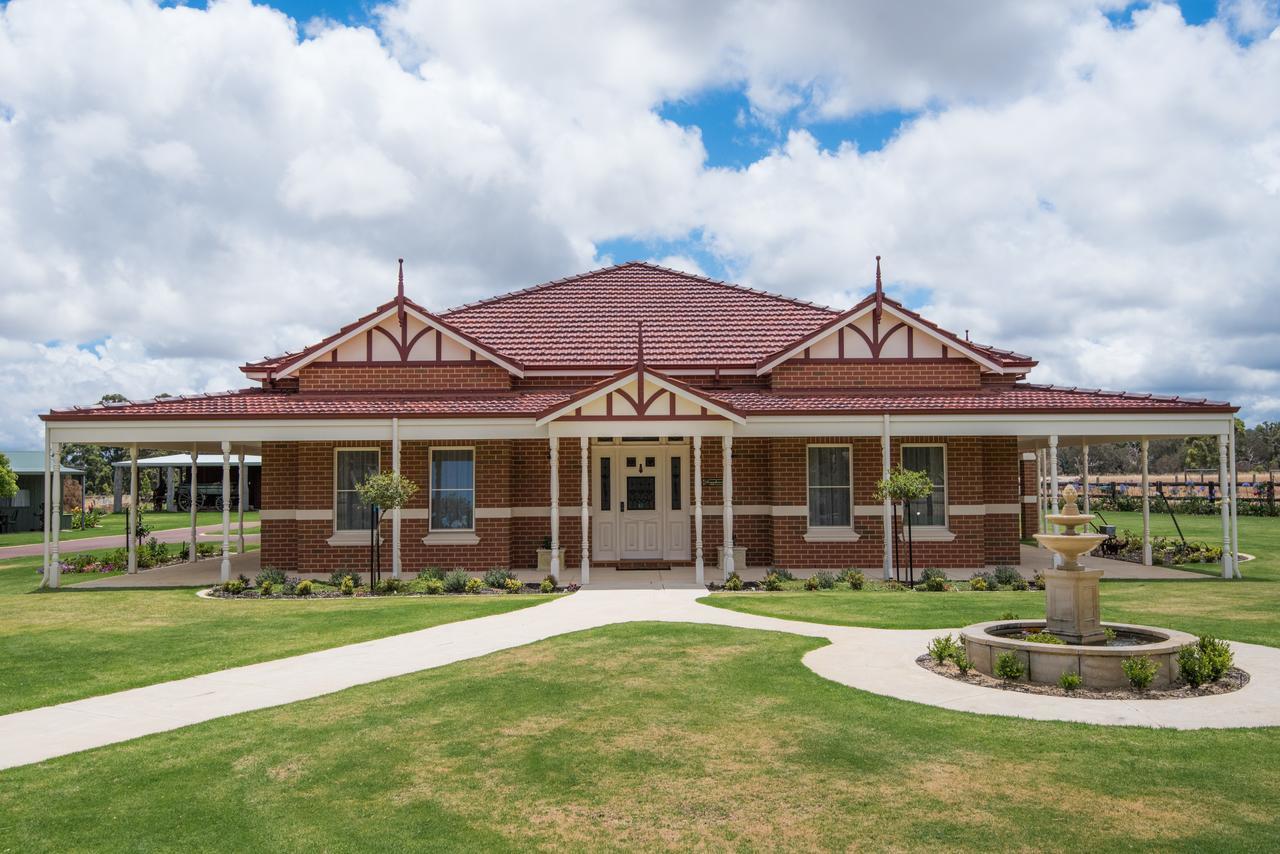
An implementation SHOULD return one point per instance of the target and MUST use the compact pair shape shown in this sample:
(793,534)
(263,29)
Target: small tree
(8,480)
(904,485)
(380,492)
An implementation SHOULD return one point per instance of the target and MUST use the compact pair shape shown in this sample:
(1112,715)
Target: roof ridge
(645,264)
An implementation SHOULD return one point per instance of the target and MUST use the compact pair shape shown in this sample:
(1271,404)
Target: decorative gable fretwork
(640,393)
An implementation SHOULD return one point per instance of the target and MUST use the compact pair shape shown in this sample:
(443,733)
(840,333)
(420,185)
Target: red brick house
(641,416)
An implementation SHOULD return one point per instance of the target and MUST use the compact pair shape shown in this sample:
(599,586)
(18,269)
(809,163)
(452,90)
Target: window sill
(451,538)
(831,535)
(927,534)
(342,539)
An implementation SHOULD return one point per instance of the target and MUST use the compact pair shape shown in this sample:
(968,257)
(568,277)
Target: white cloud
(196,188)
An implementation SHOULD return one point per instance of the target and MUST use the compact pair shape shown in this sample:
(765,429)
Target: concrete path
(877,660)
(171,535)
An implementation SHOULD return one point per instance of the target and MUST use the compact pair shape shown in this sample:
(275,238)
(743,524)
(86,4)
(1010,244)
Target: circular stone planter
(1098,666)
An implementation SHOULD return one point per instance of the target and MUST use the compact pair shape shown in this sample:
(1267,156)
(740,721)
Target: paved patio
(878,660)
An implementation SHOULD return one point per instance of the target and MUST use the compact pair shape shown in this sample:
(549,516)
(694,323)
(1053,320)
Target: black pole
(911,563)
(897,557)
(373,548)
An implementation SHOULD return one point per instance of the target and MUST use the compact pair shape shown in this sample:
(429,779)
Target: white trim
(431,453)
(337,449)
(315,515)
(1029,456)
(946,489)
(639,427)
(1028,499)
(277,515)
(949,343)
(831,535)
(451,538)
(415,512)
(386,315)
(349,539)
(927,534)
(836,530)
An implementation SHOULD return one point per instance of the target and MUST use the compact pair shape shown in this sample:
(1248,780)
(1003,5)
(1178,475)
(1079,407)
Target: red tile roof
(591,320)
(259,403)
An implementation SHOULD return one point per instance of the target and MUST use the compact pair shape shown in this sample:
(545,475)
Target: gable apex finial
(400,282)
(879,290)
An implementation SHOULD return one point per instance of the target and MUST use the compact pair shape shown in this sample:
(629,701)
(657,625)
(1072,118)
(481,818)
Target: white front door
(642,502)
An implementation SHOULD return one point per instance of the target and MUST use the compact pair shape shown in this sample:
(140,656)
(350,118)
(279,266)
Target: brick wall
(916,373)
(1030,512)
(395,376)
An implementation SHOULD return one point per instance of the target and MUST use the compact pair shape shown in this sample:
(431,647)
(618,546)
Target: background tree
(8,480)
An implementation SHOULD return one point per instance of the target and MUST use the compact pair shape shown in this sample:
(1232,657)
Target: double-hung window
(453,489)
(830,487)
(352,465)
(932,460)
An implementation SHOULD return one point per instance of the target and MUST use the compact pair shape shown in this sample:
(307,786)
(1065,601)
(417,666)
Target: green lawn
(67,644)
(647,736)
(1240,610)
(113,524)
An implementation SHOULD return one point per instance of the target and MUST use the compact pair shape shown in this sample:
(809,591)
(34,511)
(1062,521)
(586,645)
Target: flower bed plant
(274,584)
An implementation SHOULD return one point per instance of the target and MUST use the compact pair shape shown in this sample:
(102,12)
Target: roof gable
(640,392)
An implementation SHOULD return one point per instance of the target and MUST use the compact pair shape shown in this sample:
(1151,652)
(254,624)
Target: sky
(186,186)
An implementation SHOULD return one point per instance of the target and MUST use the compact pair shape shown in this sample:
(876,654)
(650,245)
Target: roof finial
(879,290)
(640,342)
(400,282)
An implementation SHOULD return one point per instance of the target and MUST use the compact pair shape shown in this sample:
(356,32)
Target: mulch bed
(1233,680)
(251,593)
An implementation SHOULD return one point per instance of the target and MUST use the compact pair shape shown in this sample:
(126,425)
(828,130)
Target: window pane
(641,493)
(931,510)
(929,459)
(606,483)
(355,466)
(451,509)
(829,507)
(452,469)
(925,459)
(675,483)
(829,466)
(352,515)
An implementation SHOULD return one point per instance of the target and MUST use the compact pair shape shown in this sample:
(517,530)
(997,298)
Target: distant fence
(1200,499)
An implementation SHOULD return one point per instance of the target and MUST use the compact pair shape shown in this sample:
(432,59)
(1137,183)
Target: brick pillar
(1030,512)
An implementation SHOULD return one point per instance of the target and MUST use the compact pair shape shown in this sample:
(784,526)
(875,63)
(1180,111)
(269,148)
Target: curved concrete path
(878,660)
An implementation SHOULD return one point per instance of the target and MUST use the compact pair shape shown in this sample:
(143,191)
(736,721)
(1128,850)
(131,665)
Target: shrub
(390,585)
(275,576)
(497,578)
(1069,682)
(977,583)
(811,583)
(895,586)
(932,572)
(733,582)
(942,648)
(1140,670)
(547,586)
(235,587)
(1043,637)
(772,581)
(335,577)
(432,572)
(513,585)
(988,581)
(961,660)
(826,581)
(347,587)
(303,588)
(785,574)
(1108,633)
(1008,615)
(1009,667)
(265,588)
(473,585)
(1020,584)
(934,584)
(432,586)
(1006,575)
(1205,662)
(208,549)
(855,579)
(1037,581)
(456,581)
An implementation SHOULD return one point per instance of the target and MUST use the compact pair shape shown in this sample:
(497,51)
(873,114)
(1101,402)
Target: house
(23,510)
(640,416)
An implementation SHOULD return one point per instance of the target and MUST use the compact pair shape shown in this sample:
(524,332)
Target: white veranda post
(395,513)
(699,569)
(1040,520)
(226,512)
(555,509)
(193,552)
(1084,474)
(1224,502)
(45,492)
(133,508)
(584,565)
(727,560)
(244,487)
(1053,486)
(1146,503)
(54,500)
(888,505)
(1235,505)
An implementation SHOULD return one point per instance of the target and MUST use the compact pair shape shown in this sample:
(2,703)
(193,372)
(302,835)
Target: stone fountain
(1072,610)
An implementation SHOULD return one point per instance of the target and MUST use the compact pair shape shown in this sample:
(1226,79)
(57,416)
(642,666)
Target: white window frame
(841,533)
(946,483)
(349,536)
(431,489)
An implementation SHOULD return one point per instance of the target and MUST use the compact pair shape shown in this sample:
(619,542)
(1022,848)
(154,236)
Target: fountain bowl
(1070,546)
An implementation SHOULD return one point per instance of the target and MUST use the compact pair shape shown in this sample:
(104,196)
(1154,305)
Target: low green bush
(547,586)
(855,579)
(1037,581)
(733,582)
(1205,662)
(1020,584)
(784,573)
(513,585)
(988,580)
(934,584)
(275,576)
(335,577)
(977,583)
(208,549)
(932,572)
(961,660)
(497,578)
(1108,633)
(1140,671)
(772,581)
(811,583)
(826,581)
(942,648)
(347,587)
(1043,637)
(1069,681)
(266,588)
(390,585)
(473,585)
(456,581)
(1008,615)
(1009,666)
(432,586)
(303,588)
(235,587)
(432,572)
(1006,575)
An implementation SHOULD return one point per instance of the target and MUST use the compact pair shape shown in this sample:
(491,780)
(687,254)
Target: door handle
(622,507)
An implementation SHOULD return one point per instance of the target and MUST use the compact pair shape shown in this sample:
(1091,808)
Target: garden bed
(1233,680)
(216,592)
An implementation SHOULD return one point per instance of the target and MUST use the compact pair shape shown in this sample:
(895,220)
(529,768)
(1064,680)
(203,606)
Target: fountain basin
(1070,546)
(1098,665)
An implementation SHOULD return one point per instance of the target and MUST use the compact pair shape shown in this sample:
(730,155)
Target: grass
(113,524)
(675,736)
(1240,610)
(63,645)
